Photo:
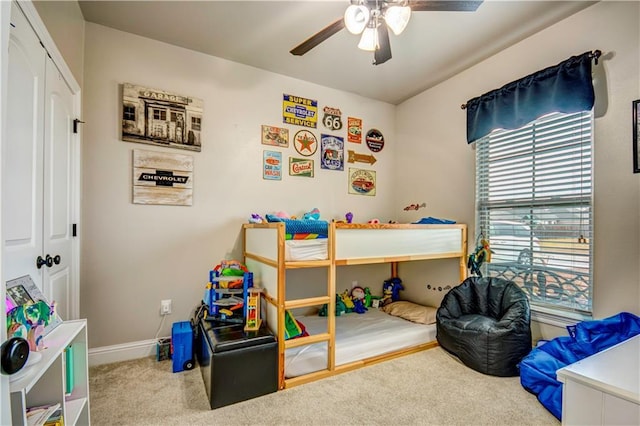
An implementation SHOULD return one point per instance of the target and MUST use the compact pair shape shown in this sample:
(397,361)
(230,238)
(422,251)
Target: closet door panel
(58,137)
(22,167)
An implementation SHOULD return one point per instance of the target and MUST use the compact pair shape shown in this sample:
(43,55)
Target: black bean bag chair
(486,323)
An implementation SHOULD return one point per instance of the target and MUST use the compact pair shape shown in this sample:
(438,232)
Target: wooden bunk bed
(267,255)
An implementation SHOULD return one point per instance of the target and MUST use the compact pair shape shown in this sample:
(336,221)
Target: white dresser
(603,389)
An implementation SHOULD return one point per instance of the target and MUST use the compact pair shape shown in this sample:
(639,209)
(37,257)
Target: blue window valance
(566,87)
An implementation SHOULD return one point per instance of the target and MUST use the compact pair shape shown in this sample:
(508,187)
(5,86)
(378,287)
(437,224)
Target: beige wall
(65,23)
(135,255)
(432,148)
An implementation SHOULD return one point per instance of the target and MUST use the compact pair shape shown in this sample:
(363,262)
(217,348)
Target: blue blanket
(538,369)
(302,226)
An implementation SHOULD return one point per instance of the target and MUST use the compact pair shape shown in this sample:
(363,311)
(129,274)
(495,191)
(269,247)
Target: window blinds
(534,204)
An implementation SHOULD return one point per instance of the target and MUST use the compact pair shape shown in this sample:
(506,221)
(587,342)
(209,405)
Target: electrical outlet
(165,307)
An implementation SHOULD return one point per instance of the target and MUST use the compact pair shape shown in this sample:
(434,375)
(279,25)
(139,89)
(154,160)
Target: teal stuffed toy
(340,308)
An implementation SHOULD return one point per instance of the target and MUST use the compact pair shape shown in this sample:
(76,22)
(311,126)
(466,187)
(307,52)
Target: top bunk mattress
(358,336)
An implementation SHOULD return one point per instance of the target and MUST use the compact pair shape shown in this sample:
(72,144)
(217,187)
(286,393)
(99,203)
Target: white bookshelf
(45,381)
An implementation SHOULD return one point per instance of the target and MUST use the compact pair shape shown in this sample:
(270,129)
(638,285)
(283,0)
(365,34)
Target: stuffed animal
(367,297)
(340,308)
(358,306)
(347,300)
(256,218)
(391,290)
(312,215)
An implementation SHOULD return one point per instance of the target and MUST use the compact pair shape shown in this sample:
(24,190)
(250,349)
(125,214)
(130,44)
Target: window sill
(557,318)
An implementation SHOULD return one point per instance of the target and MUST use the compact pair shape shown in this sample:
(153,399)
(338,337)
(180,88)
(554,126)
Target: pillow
(411,312)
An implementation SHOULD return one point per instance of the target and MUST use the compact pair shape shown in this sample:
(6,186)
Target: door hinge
(75,124)
(74,230)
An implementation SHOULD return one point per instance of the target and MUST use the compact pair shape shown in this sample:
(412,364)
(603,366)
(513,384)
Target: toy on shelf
(29,321)
(253,321)
(348,217)
(227,292)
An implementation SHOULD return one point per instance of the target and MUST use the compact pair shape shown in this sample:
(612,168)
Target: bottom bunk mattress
(358,336)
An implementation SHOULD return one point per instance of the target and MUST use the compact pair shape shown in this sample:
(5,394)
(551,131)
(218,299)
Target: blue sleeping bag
(538,369)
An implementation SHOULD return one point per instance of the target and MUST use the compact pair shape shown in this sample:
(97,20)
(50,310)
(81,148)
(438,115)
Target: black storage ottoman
(237,365)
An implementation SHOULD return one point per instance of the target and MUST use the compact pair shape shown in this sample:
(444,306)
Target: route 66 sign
(332,118)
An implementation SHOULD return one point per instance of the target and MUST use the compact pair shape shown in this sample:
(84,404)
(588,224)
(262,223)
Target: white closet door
(58,196)
(22,157)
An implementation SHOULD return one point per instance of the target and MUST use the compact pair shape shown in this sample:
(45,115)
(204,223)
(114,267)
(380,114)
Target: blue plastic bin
(182,346)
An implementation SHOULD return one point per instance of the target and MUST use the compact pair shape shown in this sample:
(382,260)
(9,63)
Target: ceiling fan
(374,18)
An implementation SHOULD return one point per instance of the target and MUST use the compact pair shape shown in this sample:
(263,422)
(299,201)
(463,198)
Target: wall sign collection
(162,118)
(300,111)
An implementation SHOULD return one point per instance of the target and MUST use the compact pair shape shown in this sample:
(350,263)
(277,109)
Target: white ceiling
(434,47)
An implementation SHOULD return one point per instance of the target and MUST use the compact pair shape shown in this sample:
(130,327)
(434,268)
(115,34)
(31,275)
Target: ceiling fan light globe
(369,40)
(397,18)
(356,18)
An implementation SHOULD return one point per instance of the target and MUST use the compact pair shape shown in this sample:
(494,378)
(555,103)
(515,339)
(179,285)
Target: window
(129,113)
(160,114)
(534,204)
(195,123)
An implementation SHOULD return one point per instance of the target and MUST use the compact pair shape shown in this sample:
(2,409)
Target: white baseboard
(123,352)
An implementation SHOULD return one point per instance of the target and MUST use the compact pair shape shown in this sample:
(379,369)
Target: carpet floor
(426,388)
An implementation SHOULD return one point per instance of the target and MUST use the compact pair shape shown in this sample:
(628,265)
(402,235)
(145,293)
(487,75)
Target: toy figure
(346,299)
(256,218)
(312,215)
(348,217)
(28,321)
(391,290)
(367,297)
(479,256)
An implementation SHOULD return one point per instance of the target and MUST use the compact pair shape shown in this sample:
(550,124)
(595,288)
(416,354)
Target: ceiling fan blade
(318,37)
(445,5)
(383,54)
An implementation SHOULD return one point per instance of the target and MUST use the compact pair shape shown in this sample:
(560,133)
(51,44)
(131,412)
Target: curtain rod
(593,55)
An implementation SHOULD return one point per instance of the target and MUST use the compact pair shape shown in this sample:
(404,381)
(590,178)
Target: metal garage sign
(299,111)
(375,140)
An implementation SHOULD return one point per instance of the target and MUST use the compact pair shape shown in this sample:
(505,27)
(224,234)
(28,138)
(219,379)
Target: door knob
(40,262)
(48,260)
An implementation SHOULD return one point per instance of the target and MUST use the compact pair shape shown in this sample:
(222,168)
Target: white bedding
(358,336)
(314,249)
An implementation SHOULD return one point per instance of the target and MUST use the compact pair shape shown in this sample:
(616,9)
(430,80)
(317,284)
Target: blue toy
(391,290)
(358,306)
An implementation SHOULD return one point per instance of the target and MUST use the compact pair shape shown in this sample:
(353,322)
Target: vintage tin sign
(354,130)
(375,140)
(272,165)
(300,167)
(305,143)
(354,157)
(162,178)
(277,136)
(299,111)
(362,182)
(331,152)
(332,119)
